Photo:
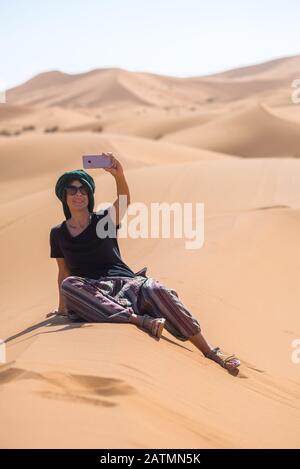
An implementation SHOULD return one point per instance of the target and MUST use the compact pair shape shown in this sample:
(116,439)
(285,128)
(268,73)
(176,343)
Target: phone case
(96,161)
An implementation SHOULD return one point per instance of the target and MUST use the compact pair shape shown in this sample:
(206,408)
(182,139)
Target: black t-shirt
(87,254)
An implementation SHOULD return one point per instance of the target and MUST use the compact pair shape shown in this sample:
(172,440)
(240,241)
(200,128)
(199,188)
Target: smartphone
(97,161)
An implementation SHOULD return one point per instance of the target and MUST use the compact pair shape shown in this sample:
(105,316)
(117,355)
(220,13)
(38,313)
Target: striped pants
(114,299)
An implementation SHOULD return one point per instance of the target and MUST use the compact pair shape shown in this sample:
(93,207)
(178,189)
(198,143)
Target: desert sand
(230,141)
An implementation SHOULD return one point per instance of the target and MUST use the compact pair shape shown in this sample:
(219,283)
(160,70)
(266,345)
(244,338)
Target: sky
(183,38)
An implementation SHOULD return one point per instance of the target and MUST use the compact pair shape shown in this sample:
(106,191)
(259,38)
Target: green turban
(65,179)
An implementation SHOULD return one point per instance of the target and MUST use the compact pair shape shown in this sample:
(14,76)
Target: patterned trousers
(114,299)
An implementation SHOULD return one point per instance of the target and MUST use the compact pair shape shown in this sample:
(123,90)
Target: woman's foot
(57,312)
(230,362)
(153,325)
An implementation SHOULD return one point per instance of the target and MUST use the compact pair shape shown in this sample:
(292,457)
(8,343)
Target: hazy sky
(168,37)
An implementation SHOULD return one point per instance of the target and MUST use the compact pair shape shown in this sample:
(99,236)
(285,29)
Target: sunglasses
(72,190)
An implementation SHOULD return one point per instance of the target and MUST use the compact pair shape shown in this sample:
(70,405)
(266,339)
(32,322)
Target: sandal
(230,362)
(156,325)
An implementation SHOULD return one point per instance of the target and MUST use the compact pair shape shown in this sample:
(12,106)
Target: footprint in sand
(71,387)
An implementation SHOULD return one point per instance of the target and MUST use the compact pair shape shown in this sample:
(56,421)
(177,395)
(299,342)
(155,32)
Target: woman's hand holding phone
(116,169)
(107,161)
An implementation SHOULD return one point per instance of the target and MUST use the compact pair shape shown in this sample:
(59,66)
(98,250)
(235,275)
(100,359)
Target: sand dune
(143,104)
(254,132)
(289,113)
(100,403)
(148,122)
(156,126)
(115,85)
(92,385)
(10,111)
(277,69)
(48,118)
(36,158)
(87,90)
(82,375)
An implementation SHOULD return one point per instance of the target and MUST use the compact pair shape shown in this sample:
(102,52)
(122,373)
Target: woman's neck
(79,219)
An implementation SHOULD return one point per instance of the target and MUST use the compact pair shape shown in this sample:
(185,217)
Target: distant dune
(252,132)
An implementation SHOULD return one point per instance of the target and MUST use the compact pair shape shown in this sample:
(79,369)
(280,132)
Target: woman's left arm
(121,203)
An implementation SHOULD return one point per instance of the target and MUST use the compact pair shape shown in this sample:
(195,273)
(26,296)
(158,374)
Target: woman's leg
(160,301)
(200,342)
(100,301)
(87,300)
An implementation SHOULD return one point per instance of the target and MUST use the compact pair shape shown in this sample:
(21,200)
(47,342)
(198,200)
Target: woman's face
(78,201)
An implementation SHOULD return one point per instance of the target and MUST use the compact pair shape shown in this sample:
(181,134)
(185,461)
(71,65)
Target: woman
(96,285)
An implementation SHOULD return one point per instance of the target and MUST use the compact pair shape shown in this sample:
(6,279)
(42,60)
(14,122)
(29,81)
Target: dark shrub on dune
(51,129)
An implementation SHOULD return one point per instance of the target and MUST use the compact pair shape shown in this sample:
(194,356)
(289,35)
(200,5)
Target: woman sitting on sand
(95,284)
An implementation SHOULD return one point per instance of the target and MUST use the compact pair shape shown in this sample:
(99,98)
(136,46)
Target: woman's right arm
(63,272)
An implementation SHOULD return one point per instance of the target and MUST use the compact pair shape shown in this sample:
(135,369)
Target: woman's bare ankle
(135,319)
